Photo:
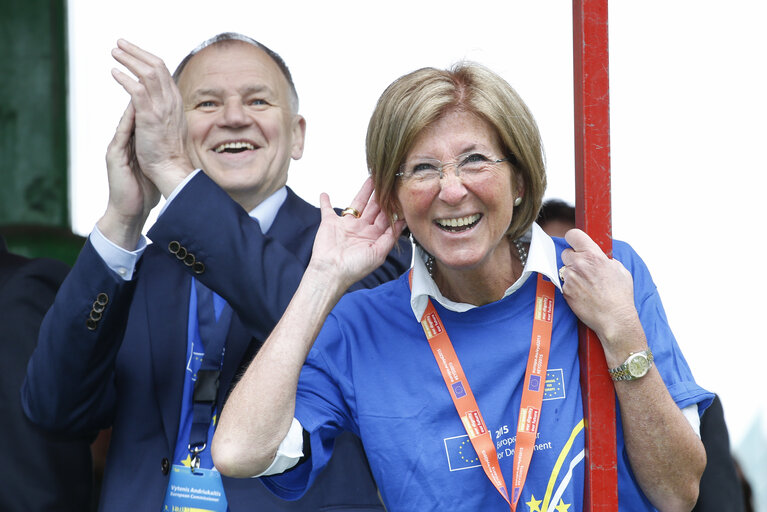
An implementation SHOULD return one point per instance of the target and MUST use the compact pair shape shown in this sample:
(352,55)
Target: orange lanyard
(532,393)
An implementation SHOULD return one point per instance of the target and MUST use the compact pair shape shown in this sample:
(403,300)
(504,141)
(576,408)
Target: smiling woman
(424,369)
(460,219)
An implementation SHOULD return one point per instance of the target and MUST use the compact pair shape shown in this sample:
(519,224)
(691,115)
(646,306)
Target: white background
(688,113)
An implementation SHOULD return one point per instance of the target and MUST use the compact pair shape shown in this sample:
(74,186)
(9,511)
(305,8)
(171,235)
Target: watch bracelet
(621,372)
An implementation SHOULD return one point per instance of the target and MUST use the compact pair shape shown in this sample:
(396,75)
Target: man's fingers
(138,56)
(128,83)
(125,126)
(123,132)
(134,65)
(150,70)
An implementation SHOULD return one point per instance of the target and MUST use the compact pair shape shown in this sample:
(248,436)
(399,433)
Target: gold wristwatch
(635,367)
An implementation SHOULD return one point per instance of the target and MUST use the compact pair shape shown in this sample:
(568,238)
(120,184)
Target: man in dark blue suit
(135,340)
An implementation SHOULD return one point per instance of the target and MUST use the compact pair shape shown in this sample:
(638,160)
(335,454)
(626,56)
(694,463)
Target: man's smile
(234,147)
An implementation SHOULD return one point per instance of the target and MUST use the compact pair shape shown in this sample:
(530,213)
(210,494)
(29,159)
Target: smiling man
(242,113)
(147,338)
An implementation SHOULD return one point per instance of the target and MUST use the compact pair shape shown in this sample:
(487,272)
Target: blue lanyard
(213,336)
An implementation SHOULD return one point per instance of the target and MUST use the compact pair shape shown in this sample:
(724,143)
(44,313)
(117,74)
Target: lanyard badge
(199,490)
(192,487)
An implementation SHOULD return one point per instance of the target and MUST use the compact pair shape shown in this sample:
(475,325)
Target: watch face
(638,365)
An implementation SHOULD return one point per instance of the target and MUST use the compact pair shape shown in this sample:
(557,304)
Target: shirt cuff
(122,262)
(691,413)
(290,451)
(178,189)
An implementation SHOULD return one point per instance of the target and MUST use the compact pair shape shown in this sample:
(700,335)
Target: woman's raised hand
(347,247)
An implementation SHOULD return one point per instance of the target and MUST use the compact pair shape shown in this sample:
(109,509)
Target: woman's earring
(518,201)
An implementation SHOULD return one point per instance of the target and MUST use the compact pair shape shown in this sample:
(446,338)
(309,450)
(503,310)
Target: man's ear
(299,134)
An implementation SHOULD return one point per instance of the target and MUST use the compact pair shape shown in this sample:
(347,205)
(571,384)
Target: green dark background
(34,196)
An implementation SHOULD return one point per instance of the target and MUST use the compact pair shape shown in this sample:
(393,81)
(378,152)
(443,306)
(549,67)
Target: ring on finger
(562,273)
(351,211)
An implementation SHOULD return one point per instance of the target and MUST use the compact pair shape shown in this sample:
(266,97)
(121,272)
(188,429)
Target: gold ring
(351,211)
(562,274)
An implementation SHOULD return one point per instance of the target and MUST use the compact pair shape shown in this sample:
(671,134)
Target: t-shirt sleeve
(322,407)
(669,359)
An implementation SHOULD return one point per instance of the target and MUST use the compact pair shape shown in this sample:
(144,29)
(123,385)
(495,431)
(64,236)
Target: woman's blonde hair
(418,99)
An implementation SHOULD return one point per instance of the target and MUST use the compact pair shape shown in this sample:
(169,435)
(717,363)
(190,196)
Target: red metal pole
(592,207)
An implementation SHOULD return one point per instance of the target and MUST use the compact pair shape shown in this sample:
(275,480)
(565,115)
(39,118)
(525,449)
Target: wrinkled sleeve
(669,359)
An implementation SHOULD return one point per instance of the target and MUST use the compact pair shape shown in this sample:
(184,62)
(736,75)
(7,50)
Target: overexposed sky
(688,111)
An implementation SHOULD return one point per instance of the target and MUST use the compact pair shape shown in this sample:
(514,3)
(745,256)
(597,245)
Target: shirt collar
(542,258)
(266,211)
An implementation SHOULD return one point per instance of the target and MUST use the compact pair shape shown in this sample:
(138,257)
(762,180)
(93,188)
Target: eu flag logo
(460,453)
(555,385)
(535,383)
(458,389)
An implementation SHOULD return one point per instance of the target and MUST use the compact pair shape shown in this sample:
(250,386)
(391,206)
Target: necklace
(517,243)
(522,252)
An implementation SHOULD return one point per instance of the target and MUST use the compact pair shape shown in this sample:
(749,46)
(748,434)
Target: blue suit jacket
(122,364)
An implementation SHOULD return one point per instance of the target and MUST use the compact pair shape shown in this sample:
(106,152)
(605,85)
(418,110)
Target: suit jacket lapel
(295,226)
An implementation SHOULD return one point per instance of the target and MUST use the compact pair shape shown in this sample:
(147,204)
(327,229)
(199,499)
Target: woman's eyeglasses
(469,167)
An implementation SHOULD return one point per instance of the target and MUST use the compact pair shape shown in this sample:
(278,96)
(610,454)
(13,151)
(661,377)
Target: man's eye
(206,104)
(258,102)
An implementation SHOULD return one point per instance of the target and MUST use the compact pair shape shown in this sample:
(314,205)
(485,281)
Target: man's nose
(234,114)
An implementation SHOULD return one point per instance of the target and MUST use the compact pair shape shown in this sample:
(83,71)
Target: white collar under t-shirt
(542,258)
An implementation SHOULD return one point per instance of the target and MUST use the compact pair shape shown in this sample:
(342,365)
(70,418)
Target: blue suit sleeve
(69,386)
(257,274)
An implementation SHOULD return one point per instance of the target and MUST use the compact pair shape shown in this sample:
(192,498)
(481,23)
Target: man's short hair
(234,36)
(556,210)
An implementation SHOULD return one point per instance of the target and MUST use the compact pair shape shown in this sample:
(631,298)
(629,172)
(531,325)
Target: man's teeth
(242,146)
(459,222)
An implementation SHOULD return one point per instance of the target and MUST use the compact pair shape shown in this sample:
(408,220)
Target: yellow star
(562,507)
(188,461)
(535,505)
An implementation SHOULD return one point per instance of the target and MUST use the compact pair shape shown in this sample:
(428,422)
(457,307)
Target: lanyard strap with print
(532,393)
(213,337)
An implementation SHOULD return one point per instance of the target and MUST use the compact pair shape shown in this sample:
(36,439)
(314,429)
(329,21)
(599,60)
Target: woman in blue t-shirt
(461,378)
